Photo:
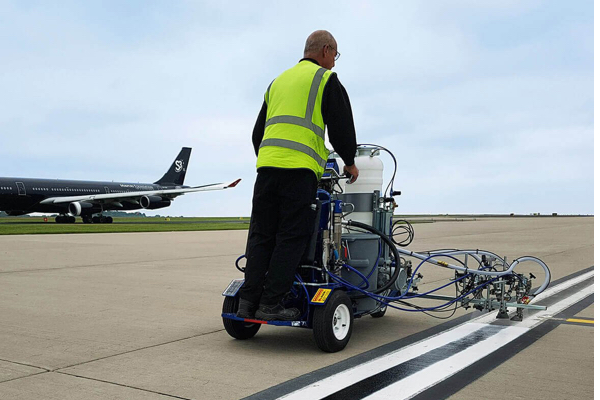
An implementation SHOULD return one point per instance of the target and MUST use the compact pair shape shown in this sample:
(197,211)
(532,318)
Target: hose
(402,227)
(237,265)
(390,244)
(364,278)
(387,300)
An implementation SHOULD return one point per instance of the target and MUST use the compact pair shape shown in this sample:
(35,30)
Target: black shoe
(246,309)
(277,313)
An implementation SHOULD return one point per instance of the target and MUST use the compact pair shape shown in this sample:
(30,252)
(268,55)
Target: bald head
(321,47)
(316,41)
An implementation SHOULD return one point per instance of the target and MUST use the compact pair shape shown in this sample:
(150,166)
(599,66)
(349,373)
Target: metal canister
(337,224)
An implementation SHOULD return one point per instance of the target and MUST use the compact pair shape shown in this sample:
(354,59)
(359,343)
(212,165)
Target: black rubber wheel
(237,329)
(71,220)
(109,220)
(380,313)
(333,322)
(96,220)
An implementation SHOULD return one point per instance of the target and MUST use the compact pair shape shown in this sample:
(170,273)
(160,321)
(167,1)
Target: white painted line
(420,381)
(562,286)
(442,370)
(341,380)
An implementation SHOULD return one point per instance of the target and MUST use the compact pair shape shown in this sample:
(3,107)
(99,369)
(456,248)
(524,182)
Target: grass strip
(33,227)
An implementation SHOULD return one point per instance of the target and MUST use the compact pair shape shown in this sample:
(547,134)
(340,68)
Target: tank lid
(367,151)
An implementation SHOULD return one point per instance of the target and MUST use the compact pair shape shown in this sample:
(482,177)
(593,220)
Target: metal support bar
(503,310)
(495,304)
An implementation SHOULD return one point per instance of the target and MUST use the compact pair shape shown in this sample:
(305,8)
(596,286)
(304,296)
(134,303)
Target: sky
(487,105)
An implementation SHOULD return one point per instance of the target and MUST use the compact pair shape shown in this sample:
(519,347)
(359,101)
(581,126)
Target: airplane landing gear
(101,219)
(64,219)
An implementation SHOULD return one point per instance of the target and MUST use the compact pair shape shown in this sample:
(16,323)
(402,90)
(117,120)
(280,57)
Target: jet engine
(83,208)
(154,202)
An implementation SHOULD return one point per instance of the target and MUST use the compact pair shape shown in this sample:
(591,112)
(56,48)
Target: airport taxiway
(137,316)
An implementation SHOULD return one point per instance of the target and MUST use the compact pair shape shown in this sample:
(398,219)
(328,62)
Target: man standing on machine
(289,140)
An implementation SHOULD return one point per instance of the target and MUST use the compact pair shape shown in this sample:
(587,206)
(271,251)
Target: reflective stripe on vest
(290,144)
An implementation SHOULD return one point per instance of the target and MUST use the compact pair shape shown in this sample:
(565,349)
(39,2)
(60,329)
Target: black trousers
(281,225)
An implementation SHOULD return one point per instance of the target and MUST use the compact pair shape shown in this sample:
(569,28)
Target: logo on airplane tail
(178,165)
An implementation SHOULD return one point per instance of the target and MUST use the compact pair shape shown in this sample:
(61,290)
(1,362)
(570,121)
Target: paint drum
(362,251)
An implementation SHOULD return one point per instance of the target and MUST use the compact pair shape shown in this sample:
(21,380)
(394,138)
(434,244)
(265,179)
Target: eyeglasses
(337,53)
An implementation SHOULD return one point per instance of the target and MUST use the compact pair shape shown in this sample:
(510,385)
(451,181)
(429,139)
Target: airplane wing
(135,196)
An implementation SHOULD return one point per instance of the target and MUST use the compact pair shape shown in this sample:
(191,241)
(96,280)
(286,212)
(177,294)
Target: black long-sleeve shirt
(337,115)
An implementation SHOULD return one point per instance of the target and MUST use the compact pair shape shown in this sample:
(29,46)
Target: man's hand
(353,171)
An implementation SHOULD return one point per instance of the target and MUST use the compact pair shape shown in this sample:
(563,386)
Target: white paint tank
(370,172)
(370,179)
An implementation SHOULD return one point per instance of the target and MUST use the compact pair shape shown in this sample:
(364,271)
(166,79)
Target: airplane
(89,199)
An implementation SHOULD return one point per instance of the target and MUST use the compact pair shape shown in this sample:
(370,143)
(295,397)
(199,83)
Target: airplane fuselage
(24,195)
(88,199)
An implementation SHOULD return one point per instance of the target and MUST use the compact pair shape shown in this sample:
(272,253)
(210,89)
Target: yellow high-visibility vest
(294,130)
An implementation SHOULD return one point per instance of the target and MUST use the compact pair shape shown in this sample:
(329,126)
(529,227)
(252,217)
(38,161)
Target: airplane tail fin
(176,173)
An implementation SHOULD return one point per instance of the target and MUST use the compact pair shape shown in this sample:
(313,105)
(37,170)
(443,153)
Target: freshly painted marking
(557,307)
(427,377)
(562,286)
(445,369)
(411,367)
(490,317)
(337,382)
(413,383)
(581,321)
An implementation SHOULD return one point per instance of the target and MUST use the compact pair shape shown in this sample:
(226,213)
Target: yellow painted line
(583,321)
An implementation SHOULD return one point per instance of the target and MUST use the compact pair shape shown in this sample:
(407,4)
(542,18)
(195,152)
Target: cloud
(473,97)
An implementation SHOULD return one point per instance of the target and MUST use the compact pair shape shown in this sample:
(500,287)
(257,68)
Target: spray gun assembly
(357,263)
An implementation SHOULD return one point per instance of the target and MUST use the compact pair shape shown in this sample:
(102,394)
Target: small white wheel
(332,323)
(341,322)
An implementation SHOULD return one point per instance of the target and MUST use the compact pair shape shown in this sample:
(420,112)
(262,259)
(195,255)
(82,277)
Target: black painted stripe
(392,375)
(310,378)
(458,381)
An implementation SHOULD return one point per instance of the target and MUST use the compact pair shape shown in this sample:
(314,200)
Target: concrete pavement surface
(137,315)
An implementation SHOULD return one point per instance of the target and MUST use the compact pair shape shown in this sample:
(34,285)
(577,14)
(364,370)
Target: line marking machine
(356,264)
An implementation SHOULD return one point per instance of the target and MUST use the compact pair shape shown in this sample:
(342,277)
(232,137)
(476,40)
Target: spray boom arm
(397,283)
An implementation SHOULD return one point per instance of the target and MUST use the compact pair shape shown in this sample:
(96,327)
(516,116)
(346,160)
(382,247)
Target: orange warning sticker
(321,296)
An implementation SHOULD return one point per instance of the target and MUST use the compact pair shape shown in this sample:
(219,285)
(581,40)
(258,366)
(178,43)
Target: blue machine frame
(327,272)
